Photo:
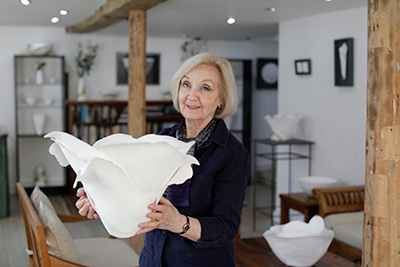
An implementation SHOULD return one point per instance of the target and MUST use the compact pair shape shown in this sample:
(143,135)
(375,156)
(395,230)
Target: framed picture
(152,68)
(302,66)
(267,73)
(344,62)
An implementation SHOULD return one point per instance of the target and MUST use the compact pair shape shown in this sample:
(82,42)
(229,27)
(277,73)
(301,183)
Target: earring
(219,107)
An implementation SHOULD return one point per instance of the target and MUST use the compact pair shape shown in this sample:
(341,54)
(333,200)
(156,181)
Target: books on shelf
(93,120)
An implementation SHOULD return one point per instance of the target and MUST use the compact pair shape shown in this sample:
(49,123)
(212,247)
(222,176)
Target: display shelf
(274,156)
(40,109)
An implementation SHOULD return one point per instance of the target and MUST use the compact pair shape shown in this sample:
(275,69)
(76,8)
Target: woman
(196,222)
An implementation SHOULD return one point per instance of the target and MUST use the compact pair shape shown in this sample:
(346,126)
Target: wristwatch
(186,226)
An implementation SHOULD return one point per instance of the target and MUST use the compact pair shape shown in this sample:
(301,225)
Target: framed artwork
(152,68)
(344,62)
(267,73)
(302,66)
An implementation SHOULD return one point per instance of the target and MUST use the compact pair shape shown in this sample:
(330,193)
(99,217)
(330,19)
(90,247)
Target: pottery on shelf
(38,122)
(39,77)
(39,49)
(284,127)
(81,89)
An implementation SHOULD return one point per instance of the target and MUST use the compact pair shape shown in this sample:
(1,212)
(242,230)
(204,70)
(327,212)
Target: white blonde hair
(228,91)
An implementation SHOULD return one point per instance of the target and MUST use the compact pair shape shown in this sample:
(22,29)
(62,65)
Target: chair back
(38,253)
(339,199)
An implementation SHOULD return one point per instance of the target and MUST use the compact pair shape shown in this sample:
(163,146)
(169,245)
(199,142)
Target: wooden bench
(37,246)
(341,200)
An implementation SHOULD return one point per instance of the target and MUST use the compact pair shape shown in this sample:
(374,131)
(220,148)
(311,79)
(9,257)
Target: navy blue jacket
(216,198)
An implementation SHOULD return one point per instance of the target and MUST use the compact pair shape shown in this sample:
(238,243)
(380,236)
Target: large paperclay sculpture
(298,243)
(122,175)
(284,127)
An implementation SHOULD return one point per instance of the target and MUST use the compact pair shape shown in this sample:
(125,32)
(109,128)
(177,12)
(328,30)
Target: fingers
(165,201)
(81,192)
(148,226)
(83,205)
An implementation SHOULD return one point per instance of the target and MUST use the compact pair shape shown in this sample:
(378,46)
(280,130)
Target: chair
(92,251)
(342,209)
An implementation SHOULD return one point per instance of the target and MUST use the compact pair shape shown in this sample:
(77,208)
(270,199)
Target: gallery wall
(334,117)
(103,75)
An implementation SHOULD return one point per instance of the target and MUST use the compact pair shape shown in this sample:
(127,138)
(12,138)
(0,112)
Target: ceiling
(177,18)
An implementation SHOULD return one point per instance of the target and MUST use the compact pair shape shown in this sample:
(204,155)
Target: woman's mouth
(192,107)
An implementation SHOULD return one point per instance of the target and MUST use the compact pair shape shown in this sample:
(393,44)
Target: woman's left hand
(164,216)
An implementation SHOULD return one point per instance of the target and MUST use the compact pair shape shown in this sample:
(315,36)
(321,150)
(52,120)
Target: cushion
(58,239)
(346,217)
(37,196)
(347,226)
(101,251)
(350,233)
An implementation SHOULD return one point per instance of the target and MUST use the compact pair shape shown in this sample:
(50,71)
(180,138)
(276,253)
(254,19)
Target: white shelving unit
(40,108)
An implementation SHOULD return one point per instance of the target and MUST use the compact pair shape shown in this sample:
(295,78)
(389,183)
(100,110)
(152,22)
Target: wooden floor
(13,240)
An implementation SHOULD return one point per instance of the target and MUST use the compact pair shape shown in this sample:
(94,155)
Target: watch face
(186,227)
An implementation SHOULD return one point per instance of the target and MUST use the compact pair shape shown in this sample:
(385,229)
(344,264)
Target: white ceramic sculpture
(123,175)
(299,244)
(284,127)
(38,122)
(39,49)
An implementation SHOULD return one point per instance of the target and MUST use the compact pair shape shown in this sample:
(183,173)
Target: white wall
(334,117)
(103,75)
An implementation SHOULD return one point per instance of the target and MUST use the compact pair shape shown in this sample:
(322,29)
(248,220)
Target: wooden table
(300,202)
(256,252)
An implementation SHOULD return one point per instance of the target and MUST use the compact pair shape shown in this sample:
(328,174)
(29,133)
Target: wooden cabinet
(39,101)
(93,120)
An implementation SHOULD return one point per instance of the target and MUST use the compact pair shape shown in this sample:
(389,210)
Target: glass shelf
(25,106)
(38,85)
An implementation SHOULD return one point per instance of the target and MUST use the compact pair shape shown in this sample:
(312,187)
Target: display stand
(274,156)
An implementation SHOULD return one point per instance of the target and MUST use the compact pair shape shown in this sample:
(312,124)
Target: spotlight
(25,2)
(54,19)
(63,12)
(231,20)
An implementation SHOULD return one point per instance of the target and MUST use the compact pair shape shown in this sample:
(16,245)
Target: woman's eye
(206,88)
(185,84)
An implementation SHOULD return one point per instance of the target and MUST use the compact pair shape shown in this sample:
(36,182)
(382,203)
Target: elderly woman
(196,222)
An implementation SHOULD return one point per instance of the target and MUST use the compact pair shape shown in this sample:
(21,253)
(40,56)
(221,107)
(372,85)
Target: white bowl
(301,250)
(310,182)
(30,101)
(39,49)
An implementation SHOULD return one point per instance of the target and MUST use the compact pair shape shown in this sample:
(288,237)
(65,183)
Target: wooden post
(137,73)
(381,246)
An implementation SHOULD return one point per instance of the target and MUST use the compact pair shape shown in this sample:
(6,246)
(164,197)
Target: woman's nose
(192,94)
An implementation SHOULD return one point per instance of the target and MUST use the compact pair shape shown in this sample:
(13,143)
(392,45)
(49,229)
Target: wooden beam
(137,73)
(381,236)
(111,12)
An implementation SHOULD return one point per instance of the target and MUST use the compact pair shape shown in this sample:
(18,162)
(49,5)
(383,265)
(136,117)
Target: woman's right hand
(84,206)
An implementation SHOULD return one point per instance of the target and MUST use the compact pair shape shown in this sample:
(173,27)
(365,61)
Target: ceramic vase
(38,122)
(81,89)
(39,77)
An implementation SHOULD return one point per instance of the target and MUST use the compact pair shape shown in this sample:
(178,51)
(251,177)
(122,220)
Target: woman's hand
(164,216)
(83,205)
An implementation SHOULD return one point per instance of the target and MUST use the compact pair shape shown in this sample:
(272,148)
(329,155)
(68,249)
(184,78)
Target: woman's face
(199,94)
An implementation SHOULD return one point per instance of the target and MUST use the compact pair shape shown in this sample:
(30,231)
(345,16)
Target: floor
(13,240)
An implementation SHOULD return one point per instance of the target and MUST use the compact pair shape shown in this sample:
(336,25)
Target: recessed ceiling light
(231,20)
(63,12)
(328,0)
(271,9)
(54,19)
(25,2)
